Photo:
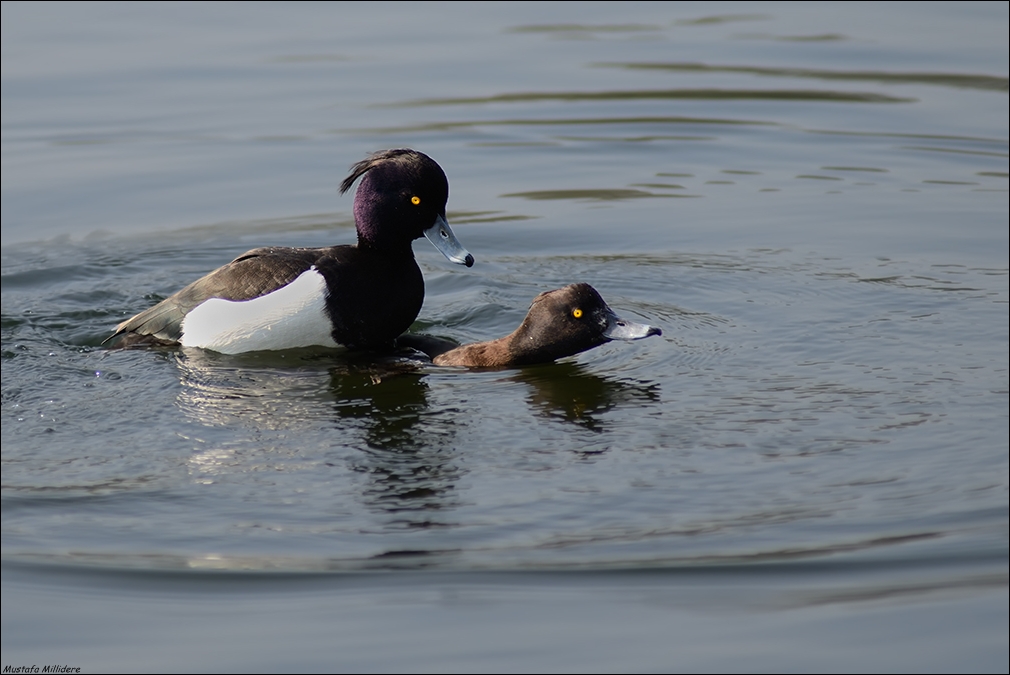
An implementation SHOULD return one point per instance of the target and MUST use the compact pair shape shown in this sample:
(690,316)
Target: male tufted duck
(559,323)
(357,296)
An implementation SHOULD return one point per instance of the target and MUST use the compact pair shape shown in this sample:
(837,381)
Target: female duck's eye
(415,200)
(577,313)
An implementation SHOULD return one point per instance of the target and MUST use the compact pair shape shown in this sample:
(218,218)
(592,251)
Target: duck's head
(402,195)
(571,320)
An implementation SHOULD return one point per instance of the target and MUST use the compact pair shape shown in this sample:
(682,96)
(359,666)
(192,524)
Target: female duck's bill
(361,296)
(560,323)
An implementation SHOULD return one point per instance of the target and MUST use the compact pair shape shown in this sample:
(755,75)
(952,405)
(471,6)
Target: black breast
(372,297)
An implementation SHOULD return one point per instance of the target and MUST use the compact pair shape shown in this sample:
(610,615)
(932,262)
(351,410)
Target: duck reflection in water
(408,450)
(572,393)
(374,411)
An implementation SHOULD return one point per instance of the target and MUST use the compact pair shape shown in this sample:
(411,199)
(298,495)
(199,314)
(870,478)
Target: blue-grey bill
(622,329)
(440,234)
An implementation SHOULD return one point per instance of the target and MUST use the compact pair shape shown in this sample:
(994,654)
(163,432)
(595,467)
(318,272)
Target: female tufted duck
(357,296)
(560,323)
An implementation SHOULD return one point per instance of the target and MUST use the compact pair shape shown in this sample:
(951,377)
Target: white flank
(292,316)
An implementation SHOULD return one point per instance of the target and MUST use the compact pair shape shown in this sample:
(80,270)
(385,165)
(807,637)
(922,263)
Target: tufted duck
(559,323)
(357,296)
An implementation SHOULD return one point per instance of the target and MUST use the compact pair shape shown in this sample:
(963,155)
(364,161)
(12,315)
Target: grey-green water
(808,470)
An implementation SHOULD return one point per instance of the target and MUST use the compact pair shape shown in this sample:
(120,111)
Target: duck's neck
(388,249)
(515,349)
(490,354)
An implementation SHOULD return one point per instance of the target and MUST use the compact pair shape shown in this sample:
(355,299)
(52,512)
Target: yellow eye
(415,200)
(577,313)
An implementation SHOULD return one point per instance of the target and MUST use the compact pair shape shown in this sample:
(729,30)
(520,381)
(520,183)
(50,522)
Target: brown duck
(559,323)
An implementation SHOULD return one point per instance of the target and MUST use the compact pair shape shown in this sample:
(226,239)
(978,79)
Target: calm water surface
(808,470)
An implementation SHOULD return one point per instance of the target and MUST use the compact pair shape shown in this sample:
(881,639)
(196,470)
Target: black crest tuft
(359,169)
